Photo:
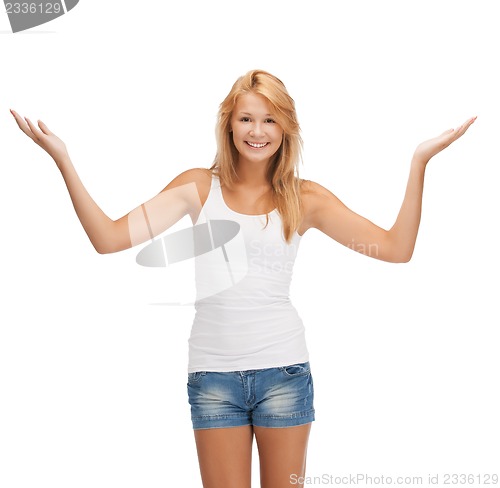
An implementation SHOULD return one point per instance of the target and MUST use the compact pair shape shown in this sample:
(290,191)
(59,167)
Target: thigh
(282,453)
(225,456)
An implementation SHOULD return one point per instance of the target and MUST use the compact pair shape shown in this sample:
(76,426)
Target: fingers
(44,128)
(29,128)
(466,124)
(460,131)
(452,135)
(34,130)
(22,124)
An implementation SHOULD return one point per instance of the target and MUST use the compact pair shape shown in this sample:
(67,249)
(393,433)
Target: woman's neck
(251,175)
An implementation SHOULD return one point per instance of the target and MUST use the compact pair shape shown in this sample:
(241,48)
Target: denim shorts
(272,397)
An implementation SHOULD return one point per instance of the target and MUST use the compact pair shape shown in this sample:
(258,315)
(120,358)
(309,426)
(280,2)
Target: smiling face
(256,134)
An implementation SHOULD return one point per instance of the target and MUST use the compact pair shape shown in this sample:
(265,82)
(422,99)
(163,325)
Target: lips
(257,145)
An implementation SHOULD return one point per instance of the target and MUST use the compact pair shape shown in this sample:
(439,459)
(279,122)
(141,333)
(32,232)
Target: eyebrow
(247,113)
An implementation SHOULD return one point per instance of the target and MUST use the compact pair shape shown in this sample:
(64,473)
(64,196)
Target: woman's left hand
(42,136)
(428,149)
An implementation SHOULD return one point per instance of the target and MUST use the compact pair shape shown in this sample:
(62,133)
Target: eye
(245,119)
(270,121)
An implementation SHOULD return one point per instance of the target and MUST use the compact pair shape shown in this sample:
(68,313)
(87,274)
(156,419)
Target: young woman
(249,371)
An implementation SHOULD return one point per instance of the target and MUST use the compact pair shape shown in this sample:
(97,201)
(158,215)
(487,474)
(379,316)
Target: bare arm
(179,198)
(326,212)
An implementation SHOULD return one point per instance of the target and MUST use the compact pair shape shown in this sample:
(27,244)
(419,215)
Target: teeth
(256,144)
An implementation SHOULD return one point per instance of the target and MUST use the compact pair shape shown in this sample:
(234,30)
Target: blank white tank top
(244,318)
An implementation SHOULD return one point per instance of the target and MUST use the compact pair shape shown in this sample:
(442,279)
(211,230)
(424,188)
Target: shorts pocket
(299,369)
(195,377)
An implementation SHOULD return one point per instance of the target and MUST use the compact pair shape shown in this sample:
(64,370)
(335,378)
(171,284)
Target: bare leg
(225,456)
(282,453)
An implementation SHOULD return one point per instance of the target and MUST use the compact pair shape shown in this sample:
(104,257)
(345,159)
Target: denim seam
(220,416)
(284,417)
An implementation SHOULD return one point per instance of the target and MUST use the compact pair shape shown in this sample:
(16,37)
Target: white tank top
(244,318)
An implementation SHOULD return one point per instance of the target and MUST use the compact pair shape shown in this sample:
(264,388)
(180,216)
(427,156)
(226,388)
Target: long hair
(283,168)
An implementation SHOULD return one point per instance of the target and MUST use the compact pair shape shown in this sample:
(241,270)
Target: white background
(405,357)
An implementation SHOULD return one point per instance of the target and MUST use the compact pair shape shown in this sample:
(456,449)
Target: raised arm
(179,198)
(324,211)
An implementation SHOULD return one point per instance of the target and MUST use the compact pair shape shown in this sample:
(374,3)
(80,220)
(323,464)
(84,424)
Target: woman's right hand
(42,136)
(428,149)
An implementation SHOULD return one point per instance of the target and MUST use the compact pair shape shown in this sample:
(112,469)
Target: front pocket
(195,377)
(298,369)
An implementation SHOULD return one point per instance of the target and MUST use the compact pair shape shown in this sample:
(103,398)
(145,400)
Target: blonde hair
(283,168)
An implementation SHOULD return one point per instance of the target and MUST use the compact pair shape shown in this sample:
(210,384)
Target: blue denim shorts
(272,397)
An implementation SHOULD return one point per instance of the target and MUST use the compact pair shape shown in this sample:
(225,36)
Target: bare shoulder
(194,175)
(202,177)
(315,199)
(310,191)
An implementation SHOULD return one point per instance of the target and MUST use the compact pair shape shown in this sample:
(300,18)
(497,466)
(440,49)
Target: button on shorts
(271,397)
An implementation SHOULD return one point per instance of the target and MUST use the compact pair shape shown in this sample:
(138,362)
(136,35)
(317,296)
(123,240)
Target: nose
(257,130)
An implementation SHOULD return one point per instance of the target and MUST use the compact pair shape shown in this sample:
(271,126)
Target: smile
(257,145)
